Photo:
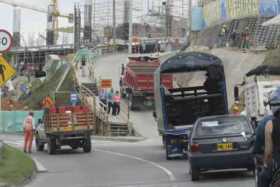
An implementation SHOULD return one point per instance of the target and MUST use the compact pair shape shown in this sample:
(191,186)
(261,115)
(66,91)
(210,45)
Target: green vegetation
(47,88)
(15,166)
(7,56)
(68,84)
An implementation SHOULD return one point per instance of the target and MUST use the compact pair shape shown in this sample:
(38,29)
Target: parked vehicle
(66,125)
(177,109)
(137,82)
(259,83)
(221,142)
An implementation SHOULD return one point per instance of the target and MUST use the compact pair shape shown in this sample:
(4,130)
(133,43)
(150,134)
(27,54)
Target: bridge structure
(37,55)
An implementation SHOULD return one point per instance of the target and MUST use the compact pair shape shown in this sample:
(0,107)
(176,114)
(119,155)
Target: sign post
(6,70)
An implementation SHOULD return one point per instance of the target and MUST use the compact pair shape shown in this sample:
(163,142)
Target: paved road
(122,164)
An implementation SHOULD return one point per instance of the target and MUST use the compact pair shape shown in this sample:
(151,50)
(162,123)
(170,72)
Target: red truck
(137,81)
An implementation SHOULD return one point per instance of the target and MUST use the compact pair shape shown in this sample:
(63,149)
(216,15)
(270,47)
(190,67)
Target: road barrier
(11,121)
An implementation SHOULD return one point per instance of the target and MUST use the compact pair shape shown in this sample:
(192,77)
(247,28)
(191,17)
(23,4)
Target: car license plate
(67,129)
(225,147)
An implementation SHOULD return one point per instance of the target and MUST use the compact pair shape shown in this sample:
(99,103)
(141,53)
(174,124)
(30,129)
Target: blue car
(221,142)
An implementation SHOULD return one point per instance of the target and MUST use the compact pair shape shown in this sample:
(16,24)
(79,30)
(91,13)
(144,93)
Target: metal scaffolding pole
(130,36)
(114,22)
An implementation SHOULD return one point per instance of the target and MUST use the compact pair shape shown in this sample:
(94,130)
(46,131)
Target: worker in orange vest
(48,102)
(28,128)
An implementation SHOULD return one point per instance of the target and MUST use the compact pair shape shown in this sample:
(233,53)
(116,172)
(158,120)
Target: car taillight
(194,148)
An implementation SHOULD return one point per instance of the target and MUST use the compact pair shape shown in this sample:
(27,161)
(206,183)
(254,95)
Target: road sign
(73,98)
(6,40)
(106,83)
(6,71)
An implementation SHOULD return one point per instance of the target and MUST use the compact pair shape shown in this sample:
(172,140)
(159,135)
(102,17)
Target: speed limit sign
(5,40)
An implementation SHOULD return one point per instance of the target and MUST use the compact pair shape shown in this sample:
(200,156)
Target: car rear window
(221,126)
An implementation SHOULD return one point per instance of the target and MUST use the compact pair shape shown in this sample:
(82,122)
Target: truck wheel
(52,146)
(194,173)
(87,145)
(39,146)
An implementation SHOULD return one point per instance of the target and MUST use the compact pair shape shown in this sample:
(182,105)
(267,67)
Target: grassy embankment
(15,167)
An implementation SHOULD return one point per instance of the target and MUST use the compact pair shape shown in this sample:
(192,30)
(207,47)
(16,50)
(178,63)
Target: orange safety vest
(47,102)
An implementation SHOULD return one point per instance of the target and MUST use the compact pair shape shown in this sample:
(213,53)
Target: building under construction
(151,18)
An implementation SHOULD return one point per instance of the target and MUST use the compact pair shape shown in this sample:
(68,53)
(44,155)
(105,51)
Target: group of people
(241,40)
(111,101)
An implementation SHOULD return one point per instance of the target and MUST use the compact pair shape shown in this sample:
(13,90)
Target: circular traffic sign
(6,40)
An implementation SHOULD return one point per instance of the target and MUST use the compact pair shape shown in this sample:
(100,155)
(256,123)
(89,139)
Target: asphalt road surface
(124,164)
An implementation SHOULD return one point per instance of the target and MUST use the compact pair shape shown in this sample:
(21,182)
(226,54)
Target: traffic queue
(194,120)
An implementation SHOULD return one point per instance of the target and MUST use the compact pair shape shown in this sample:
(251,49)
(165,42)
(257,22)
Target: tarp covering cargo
(190,61)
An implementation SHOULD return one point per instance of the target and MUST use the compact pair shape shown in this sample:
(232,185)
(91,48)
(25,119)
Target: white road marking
(39,166)
(165,170)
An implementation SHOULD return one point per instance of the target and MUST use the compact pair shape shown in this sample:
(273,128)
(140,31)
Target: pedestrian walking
(28,128)
(117,103)
(83,67)
(110,101)
(222,36)
(245,37)
(103,98)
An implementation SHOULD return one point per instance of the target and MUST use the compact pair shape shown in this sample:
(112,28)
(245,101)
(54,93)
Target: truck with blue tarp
(177,109)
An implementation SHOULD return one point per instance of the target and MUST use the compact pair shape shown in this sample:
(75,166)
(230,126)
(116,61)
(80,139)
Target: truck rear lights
(194,148)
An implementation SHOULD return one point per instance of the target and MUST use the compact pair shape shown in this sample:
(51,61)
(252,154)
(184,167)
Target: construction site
(93,24)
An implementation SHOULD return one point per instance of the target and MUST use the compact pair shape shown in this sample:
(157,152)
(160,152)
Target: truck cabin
(199,89)
(258,85)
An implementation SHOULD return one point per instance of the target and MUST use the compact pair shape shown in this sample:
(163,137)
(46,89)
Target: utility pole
(130,35)
(114,22)
(190,20)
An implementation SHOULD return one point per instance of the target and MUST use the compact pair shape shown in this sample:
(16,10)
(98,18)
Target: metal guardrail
(98,107)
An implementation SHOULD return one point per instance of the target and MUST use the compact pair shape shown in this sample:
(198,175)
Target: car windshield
(222,125)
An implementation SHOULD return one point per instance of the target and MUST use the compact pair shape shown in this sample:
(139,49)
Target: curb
(119,139)
(39,167)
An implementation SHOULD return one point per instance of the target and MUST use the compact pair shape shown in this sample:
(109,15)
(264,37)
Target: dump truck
(137,81)
(65,124)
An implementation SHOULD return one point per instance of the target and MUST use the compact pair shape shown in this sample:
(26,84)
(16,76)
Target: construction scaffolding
(151,18)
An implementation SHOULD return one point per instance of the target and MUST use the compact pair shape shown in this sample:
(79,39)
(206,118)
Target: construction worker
(47,102)
(28,127)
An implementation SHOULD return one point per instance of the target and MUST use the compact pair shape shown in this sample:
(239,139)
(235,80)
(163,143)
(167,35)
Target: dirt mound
(9,104)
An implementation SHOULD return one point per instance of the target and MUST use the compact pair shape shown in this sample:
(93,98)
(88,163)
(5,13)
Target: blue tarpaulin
(224,13)
(269,8)
(197,19)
